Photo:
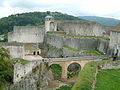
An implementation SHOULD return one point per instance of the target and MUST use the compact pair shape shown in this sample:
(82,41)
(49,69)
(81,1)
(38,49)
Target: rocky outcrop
(38,80)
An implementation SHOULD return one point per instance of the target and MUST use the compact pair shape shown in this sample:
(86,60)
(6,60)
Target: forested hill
(31,18)
(102,20)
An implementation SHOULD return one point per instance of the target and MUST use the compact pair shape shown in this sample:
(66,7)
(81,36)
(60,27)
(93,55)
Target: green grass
(86,77)
(100,37)
(65,87)
(23,61)
(70,48)
(94,52)
(108,80)
(56,69)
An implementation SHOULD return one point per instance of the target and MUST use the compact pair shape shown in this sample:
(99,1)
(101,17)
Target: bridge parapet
(77,58)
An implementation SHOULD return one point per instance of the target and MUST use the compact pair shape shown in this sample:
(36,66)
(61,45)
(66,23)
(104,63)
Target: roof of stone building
(49,17)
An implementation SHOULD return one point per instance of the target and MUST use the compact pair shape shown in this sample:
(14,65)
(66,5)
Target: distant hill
(102,20)
(29,19)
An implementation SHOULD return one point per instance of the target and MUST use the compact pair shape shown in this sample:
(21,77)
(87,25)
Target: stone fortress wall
(115,42)
(77,42)
(114,38)
(81,27)
(55,45)
(16,50)
(27,34)
(21,71)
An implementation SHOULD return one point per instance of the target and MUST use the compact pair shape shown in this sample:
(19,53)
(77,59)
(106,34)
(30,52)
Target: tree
(6,67)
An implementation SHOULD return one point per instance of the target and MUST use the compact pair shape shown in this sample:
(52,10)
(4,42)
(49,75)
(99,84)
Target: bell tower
(49,23)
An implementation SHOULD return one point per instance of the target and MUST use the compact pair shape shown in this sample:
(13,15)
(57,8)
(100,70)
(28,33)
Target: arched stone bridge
(65,62)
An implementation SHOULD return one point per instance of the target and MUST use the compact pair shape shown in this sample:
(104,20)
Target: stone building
(32,36)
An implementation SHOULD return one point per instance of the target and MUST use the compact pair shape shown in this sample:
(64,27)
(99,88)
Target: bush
(23,61)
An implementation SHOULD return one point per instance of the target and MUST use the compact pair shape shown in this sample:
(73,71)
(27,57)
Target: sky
(103,8)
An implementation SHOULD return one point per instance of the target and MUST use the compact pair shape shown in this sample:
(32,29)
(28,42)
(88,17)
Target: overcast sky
(105,8)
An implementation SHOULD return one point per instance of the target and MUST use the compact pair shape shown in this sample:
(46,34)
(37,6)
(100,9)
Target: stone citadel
(59,40)
(49,40)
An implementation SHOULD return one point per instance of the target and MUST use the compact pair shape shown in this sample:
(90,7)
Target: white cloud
(75,7)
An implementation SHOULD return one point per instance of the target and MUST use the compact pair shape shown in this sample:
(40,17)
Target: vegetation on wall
(5,38)
(94,52)
(99,37)
(86,77)
(6,68)
(22,61)
(29,19)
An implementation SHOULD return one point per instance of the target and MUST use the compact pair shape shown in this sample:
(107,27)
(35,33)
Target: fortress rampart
(77,42)
(81,27)
(57,42)
(27,34)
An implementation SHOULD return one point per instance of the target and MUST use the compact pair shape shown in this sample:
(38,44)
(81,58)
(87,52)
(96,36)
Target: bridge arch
(73,69)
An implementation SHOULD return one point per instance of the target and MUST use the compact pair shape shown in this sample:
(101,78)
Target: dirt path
(95,80)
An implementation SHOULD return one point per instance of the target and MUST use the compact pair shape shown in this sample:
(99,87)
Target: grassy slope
(86,77)
(108,80)
(94,52)
(99,37)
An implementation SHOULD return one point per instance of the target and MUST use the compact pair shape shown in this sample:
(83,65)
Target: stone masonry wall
(27,34)
(81,27)
(114,38)
(21,71)
(103,46)
(38,79)
(77,42)
(15,51)
(58,42)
